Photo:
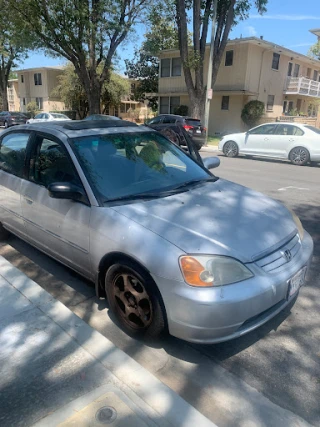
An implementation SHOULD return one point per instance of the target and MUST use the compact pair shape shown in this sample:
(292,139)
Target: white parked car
(46,117)
(296,142)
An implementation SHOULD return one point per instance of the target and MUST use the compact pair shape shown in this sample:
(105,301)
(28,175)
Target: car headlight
(299,226)
(212,270)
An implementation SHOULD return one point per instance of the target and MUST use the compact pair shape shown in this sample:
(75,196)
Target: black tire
(299,156)
(4,234)
(231,149)
(137,305)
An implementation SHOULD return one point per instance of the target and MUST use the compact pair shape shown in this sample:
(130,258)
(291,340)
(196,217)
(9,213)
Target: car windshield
(314,129)
(59,116)
(122,165)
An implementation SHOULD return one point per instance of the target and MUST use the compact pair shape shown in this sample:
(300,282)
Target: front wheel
(230,149)
(299,156)
(135,300)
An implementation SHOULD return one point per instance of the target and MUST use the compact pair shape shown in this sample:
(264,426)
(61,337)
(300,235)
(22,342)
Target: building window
(290,66)
(39,102)
(229,58)
(22,78)
(174,103)
(164,104)
(225,103)
(296,70)
(122,108)
(133,107)
(315,75)
(23,101)
(275,61)
(270,102)
(165,67)
(37,79)
(176,67)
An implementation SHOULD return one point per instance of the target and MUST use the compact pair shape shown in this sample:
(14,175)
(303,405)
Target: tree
(252,112)
(14,43)
(72,93)
(227,14)
(314,50)
(86,33)
(114,91)
(163,34)
(32,108)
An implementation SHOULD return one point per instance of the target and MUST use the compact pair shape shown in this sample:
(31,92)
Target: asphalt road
(269,377)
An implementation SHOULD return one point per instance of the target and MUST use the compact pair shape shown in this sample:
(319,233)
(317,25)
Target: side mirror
(67,190)
(211,162)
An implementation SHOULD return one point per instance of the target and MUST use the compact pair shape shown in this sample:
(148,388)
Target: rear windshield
(59,116)
(314,129)
(193,122)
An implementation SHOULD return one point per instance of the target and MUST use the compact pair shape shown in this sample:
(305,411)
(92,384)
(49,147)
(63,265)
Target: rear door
(60,227)
(287,136)
(12,174)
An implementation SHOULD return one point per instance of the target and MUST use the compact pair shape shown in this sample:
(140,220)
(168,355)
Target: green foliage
(114,90)
(252,112)
(182,110)
(86,33)
(32,108)
(314,51)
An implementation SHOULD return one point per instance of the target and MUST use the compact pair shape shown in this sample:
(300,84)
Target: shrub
(32,108)
(182,110)
(252,112)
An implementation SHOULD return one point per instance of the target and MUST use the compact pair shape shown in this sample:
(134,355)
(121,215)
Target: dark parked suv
(192,126)
(8,118)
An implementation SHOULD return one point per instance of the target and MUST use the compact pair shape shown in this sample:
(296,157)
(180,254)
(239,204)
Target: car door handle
(28,200)
(291,139)
(266,139)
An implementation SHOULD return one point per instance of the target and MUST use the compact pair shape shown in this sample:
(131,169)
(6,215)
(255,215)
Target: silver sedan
(172,246)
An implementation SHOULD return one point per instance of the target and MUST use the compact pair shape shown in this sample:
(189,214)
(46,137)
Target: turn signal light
(194,273)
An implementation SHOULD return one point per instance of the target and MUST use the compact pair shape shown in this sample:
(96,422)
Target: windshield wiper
(194,182)
(143,196)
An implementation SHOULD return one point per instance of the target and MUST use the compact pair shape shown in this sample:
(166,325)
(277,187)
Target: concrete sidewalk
(209,149)
(56,370)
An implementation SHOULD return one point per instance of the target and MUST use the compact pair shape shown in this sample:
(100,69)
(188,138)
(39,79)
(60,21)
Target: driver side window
(263,130)
(50,163)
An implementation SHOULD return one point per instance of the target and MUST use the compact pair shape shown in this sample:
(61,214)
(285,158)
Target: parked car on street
(192,126)
(101,117)
(45,117)
(171,245)
(12,118)
(298,143)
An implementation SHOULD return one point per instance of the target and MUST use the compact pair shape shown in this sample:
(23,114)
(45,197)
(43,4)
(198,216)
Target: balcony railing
(302,86)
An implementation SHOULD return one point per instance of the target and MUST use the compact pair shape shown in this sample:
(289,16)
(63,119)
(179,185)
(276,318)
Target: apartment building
(13,95)
(252,68)
(37,84)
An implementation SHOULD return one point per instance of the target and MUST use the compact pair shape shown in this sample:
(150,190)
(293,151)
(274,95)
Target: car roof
(77,128)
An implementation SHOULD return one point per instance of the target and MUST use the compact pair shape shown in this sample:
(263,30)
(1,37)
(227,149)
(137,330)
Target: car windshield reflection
(127,164)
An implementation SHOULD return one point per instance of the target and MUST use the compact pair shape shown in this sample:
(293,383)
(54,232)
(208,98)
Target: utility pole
(209,79)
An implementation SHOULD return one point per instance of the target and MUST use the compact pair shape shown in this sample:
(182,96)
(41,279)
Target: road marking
(293,188)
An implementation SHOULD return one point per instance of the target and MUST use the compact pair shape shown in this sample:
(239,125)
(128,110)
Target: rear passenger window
(13,152)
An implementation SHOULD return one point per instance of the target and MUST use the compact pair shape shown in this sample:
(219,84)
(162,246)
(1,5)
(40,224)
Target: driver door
(258,141)
(59,227)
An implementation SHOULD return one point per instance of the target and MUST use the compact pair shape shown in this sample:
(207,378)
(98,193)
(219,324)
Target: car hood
(216,218)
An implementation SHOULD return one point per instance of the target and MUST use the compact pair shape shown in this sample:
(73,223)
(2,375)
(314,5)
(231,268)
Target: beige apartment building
(286,81)
(13,95)
(36,84)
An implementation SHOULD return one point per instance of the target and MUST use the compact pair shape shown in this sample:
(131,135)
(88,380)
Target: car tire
(135,300)
(231,149)
(4,234)
(299,156)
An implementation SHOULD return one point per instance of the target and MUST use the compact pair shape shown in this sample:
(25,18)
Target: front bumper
(212,315)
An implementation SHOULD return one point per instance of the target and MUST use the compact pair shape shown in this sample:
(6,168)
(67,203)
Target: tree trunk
(4,95)
(197,106)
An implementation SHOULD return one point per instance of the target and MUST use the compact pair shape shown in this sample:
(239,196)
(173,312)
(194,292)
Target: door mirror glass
(211,162)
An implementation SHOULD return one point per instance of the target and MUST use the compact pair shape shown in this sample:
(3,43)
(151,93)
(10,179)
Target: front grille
(277,259)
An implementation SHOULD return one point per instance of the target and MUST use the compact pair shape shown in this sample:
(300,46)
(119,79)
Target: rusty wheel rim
(132,301)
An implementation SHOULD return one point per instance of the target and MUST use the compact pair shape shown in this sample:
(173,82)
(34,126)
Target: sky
(285,23)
